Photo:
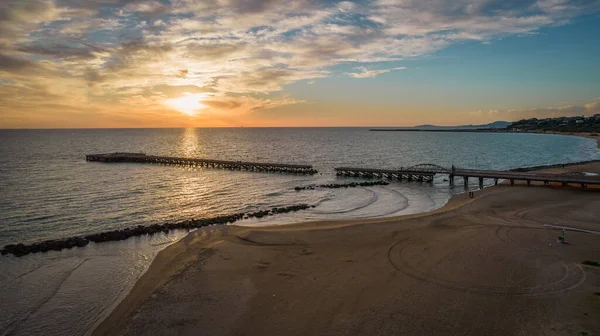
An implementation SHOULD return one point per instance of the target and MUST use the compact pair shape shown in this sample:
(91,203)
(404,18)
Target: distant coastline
(478,130)
(587,135)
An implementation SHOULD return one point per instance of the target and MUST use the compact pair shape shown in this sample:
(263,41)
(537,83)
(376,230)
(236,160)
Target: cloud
(364,72)
(11,63)
(246,104)
(99,51)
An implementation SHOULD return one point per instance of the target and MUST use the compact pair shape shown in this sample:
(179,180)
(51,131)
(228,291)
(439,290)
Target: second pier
(233,165)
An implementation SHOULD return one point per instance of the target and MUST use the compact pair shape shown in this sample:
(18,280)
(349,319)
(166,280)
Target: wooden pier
(427,172)
(233,165)
(420,173)
(512,176)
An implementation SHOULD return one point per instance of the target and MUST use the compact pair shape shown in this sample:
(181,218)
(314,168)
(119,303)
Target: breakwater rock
(115,235)
(343,185)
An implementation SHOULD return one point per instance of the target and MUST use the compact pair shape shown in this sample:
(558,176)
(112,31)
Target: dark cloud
(92,76)
(253,6)
(58,50)
(12,63)
(133,54)
(141,46)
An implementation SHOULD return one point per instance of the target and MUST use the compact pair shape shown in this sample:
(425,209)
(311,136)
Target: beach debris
(122,234)
(340,185)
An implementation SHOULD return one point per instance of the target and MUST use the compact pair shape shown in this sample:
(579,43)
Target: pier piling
(395,174)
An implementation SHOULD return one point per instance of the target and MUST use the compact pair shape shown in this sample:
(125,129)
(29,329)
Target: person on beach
(561,239)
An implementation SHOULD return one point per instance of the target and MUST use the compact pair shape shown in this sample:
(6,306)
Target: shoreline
(197,246)
(581,135)
(161,268)
(159,271)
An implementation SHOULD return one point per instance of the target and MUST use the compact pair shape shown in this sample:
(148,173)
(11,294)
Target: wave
(374,197)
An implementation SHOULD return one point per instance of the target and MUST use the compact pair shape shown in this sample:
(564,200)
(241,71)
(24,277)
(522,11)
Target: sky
(253,63)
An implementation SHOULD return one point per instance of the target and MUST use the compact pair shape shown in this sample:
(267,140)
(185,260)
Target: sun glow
(188,104)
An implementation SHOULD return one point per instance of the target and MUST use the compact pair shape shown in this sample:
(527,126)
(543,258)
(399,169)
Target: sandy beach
(483,266)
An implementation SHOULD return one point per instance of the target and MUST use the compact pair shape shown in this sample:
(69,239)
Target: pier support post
(451,178)
(466,180)
(495,181)
(512,182)
(528,183)
(564,184)
(583,185)
(481,183)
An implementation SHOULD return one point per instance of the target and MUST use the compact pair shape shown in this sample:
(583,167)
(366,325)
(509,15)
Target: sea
(48,191)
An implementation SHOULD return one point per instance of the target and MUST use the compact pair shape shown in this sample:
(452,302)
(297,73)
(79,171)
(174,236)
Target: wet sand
(482,266)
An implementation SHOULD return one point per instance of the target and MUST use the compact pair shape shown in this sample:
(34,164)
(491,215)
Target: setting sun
(188,104)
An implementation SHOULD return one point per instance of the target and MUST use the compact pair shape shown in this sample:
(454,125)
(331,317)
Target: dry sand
(482,266)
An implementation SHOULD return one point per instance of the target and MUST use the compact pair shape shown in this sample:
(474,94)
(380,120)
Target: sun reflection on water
(189,143)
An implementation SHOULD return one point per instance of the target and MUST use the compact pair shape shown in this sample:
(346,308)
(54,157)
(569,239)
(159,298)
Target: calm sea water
(48,190)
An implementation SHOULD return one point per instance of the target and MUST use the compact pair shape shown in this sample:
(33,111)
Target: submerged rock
(344,185)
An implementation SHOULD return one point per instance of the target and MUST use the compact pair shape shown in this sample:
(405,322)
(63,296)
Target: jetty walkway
(512,176)
(427,172)
(421,173)
(233,165)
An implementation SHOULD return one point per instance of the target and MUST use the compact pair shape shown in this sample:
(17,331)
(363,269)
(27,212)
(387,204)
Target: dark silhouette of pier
(427,172)
(233,165)
(421,173)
